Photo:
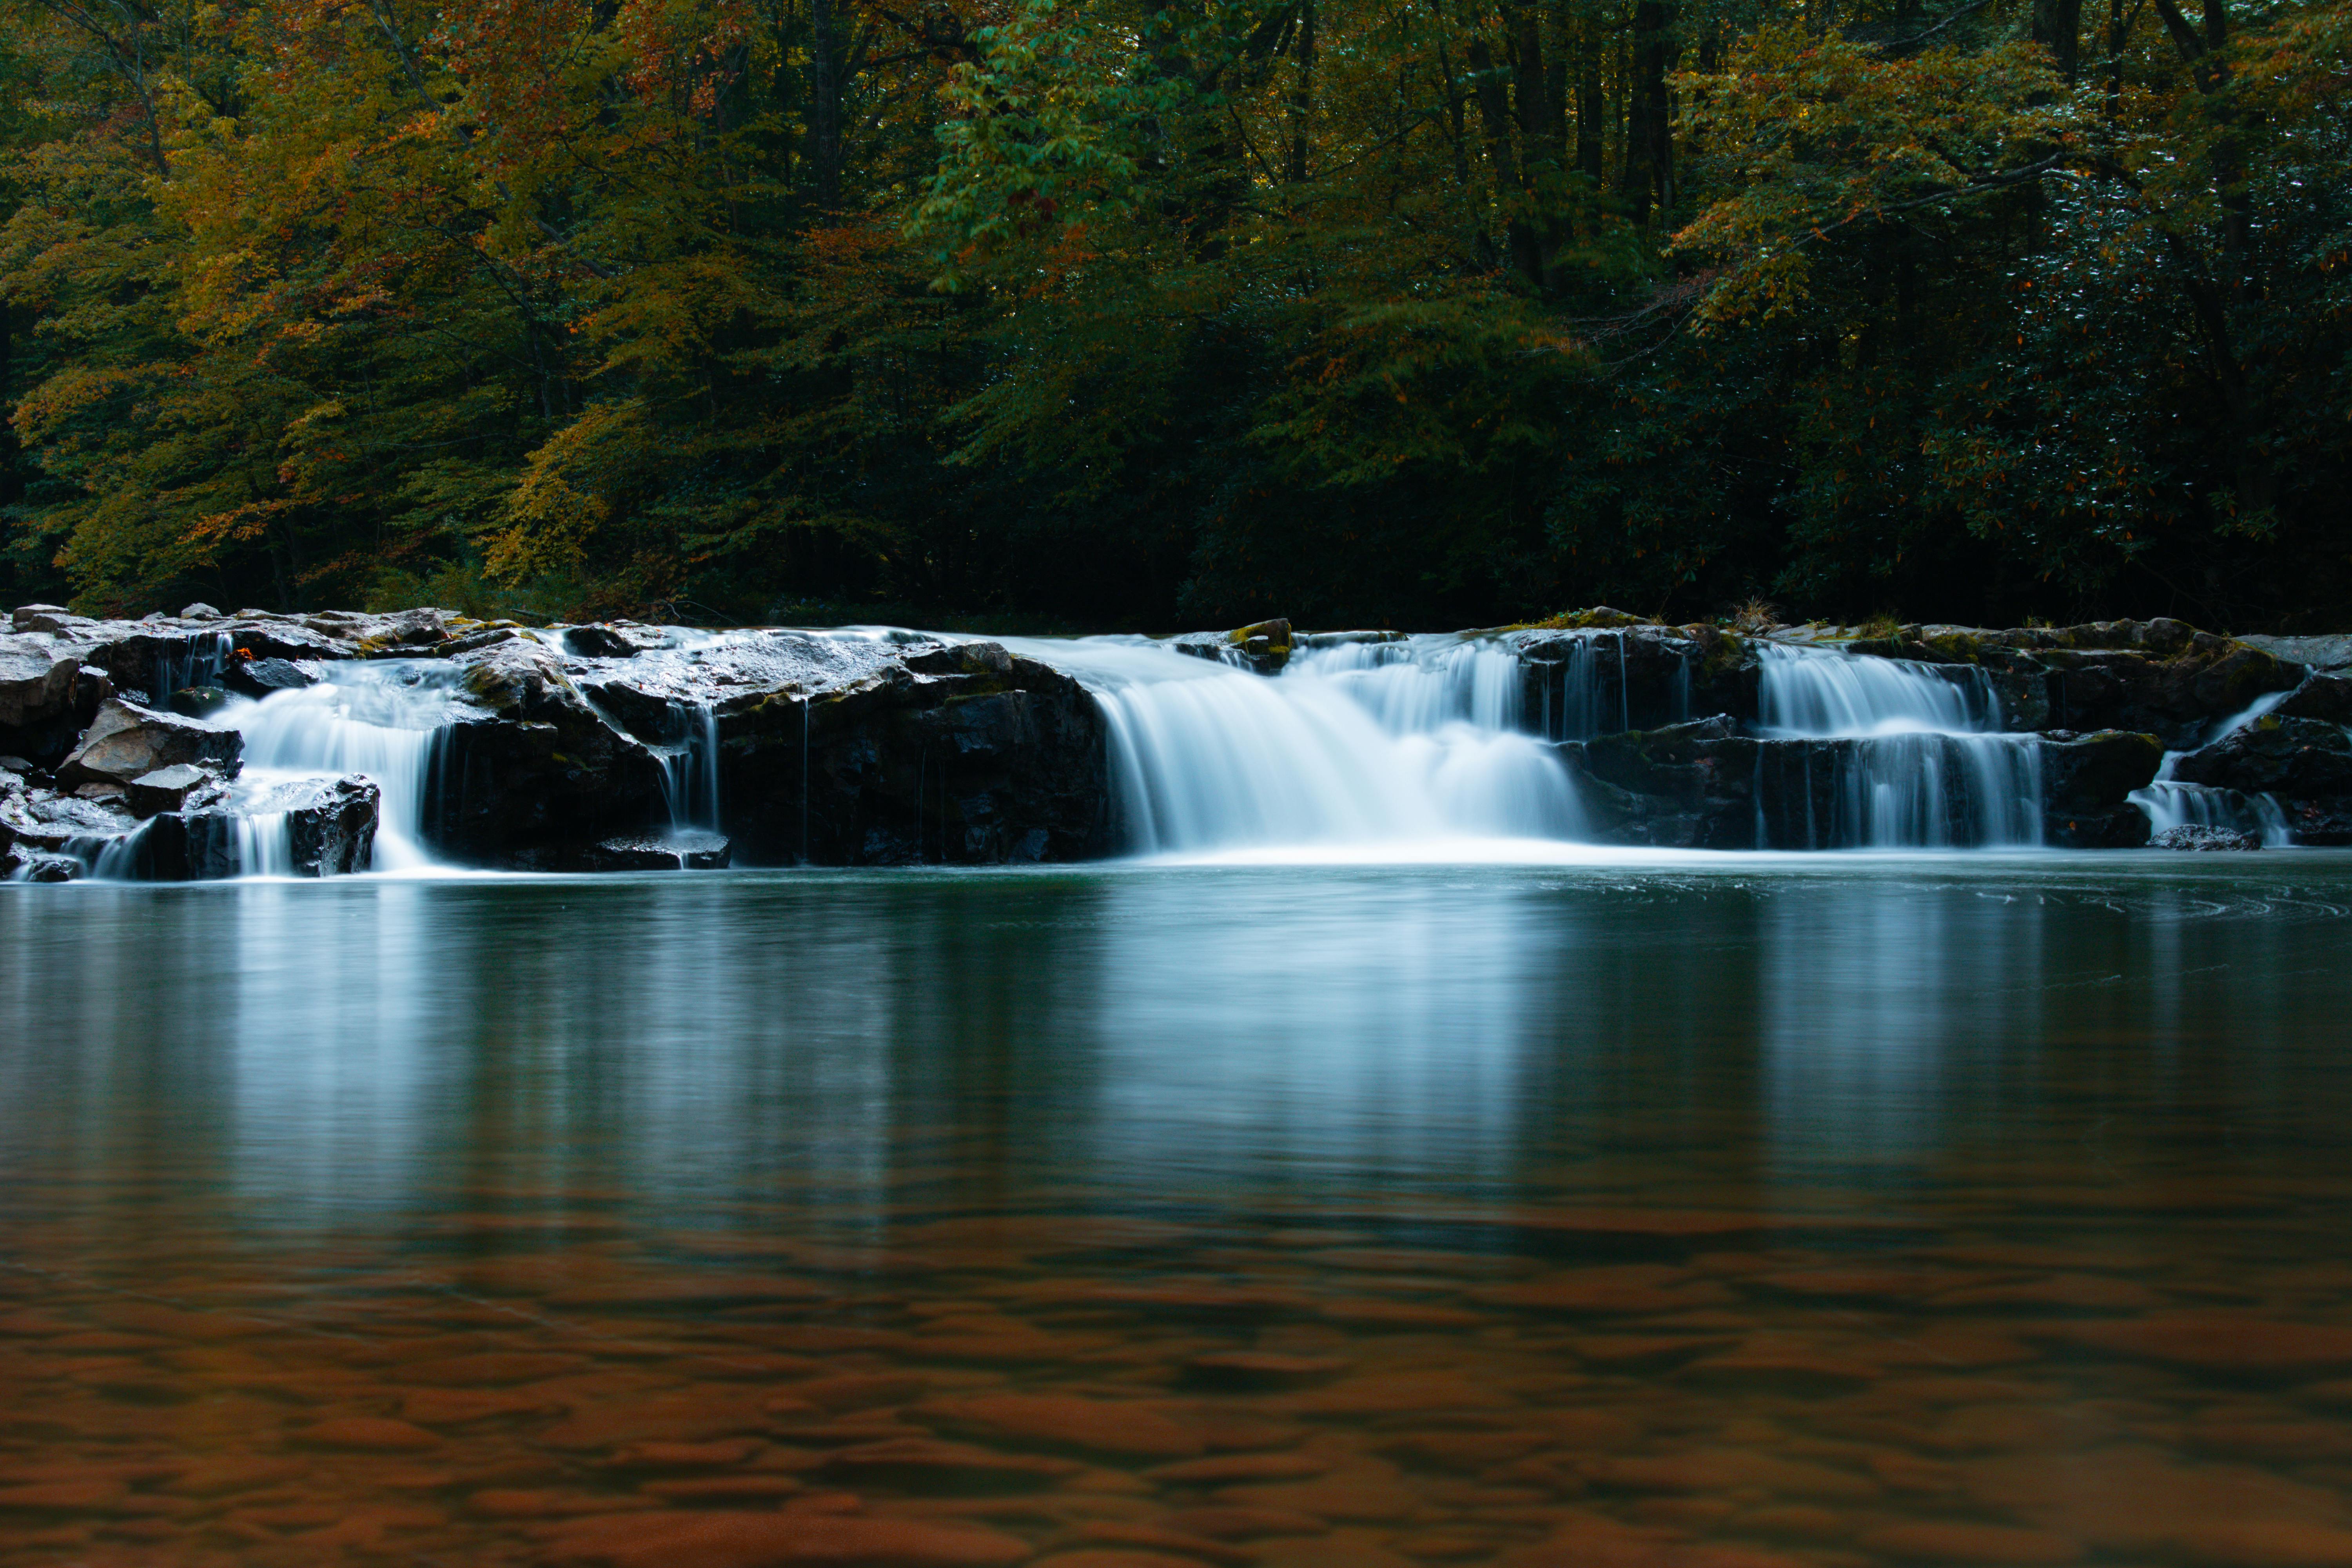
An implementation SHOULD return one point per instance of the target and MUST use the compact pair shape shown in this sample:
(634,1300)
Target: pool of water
(1703,1212)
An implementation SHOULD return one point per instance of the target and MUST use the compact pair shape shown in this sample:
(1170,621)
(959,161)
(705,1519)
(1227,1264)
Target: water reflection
(328,1052)
(1796,1212)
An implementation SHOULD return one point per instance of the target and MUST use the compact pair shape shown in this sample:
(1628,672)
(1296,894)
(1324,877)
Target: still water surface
(1705,1213)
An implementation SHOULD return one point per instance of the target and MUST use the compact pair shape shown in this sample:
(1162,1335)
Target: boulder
(55,620)
(877,754)
(200,611)
(2177,698)
(257,677)
(2320,823)
(2326,696)
(199,702)
(19,865)
(46,820)
(540,771)
(2330,651)
(2086,780)
(2289,757)
(330,825)
(175,788)
(198,845)
(1264,646)
(690,849)
(127,740)
(2198,836)
(37,680)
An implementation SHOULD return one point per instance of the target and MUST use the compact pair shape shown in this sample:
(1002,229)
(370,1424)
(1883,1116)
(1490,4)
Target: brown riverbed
(1712,1215)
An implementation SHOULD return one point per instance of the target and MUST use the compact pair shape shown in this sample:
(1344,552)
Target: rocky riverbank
(584,748)
(129,747)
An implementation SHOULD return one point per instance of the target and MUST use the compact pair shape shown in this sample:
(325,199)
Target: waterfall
(689,779)
(1359,744)
(200,663)
(382,718)
(1923,766)
(2172,804)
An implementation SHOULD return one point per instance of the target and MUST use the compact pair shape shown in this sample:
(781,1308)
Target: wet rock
(200,611)
(2178,698)
(25,865)
(1264,646)
(1576,686)
(613,639)
(2084,781)
(2331,651)
(2327,697)
(199,701)
(175,788)
(42,826)
(127,740)
(45,619)
(257,677)
(37,680)
(540,772)
(687,850)
(330,824)
(2319,823)
(2194,835)
(968,755)
(186,847)
(2291,757)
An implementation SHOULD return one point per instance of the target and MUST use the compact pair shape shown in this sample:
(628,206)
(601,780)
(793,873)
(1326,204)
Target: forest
(1101,314)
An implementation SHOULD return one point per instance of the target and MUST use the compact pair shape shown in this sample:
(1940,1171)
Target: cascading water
(206,655)
(382,718)
(1922,763)
(1361,743)
(690,770)
(2170,803)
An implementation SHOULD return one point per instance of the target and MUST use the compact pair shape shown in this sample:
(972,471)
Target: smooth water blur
(1717,1212)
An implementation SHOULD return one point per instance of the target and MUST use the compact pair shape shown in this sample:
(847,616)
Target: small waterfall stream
(1431,739)
(1381,744)
(2170,803)
(1925,765)
(382,718)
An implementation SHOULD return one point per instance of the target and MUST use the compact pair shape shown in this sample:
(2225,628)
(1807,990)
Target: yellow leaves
(572,485)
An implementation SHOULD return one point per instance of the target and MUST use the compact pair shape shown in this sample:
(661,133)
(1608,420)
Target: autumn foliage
(1097,315)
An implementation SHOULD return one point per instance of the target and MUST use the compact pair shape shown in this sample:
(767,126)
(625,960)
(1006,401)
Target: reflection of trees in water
(838,1053)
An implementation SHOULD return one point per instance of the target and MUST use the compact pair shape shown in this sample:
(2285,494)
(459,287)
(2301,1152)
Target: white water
(1927,767)
(690,771)
(2171,803)
(379,719)
(1390,745)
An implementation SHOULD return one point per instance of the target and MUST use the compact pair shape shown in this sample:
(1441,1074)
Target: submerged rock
(2198,836)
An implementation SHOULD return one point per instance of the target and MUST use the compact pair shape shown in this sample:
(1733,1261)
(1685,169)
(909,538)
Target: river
(1721,1212)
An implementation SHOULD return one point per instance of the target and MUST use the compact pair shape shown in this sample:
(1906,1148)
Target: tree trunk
(2058,28)
(825,94)
(1647,175)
